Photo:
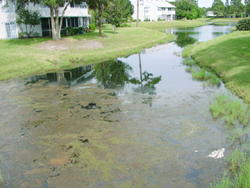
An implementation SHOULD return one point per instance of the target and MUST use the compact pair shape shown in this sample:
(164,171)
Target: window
(8,7)
(11,30)
(83,5)
(169,9)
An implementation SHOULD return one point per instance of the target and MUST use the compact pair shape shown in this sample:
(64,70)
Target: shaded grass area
(228,56)
(22,57)
(235,113)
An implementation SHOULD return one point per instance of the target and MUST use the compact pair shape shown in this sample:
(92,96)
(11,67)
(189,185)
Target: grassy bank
(219,19)
(21,57)
(228,56)
(171,24)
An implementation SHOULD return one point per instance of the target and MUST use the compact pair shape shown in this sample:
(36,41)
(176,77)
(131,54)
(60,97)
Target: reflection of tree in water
(183,39)
(147,82)
(61,80)
(113,74)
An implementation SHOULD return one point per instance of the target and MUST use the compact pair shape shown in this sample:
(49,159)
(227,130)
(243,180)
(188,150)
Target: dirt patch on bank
(66,44)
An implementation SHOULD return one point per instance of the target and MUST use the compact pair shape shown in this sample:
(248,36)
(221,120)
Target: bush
(243,25)
(92,26)
(36,34)
(70,30)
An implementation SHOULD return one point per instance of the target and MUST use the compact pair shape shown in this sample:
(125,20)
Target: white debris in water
(196,151)
(217,154)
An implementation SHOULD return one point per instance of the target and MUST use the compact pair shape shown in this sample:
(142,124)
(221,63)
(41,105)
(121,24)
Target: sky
(208,3)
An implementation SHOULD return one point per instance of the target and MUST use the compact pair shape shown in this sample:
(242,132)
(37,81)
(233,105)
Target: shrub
(80,30)
(36,34)
(70,30)
(92,26)
(243,25)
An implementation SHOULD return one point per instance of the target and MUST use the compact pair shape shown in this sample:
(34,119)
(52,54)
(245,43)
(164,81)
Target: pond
(138,121)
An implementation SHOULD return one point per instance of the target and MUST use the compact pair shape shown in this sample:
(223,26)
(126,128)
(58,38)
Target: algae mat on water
(86,136)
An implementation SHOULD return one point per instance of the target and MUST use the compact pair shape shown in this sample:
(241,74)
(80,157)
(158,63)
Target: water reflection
(204,33)
(146,82)
(183,39)
(70,77)
(113,74)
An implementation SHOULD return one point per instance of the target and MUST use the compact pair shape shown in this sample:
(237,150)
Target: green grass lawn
(228,56)
(22,57)
(161,25)
(219,19)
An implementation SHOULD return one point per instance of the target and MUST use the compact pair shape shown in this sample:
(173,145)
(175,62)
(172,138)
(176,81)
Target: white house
(153,10)
(210,14)
(75,16)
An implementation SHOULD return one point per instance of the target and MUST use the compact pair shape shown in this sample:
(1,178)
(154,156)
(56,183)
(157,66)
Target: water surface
(139,121)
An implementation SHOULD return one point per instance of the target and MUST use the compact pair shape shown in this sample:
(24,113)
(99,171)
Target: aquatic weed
(231,110)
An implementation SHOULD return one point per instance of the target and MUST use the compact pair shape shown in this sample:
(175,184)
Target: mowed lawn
(228,56)
(20,57)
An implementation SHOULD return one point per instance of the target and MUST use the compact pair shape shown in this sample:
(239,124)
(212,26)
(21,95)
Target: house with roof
(75,16)
(210,14)
(153,10)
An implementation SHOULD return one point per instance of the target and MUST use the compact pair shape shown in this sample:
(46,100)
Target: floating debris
(217,154)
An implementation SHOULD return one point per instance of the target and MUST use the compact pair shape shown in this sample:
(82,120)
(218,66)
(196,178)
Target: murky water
(139,121)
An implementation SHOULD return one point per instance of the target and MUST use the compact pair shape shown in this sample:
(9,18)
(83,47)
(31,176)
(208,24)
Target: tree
(99,5)
(218,8)
(114,14)
(28,18)
(237,7)
(186,9)
(137,21)
(247,4)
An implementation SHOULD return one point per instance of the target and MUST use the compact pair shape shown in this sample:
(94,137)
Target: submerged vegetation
(201,73)
(231,110)
(235,113)
(227,56)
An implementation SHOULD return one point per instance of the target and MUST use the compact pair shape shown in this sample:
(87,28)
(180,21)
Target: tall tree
(186,9)
(247,4)
(100,6)
(137,21)
(237,7)
(218,8)
(113,14)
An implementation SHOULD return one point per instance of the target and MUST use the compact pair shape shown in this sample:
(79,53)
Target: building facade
(154,10)
(75,16)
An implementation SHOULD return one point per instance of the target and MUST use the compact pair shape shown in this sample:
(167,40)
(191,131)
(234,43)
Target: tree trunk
(100,20)
(137,24)
(114,28)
